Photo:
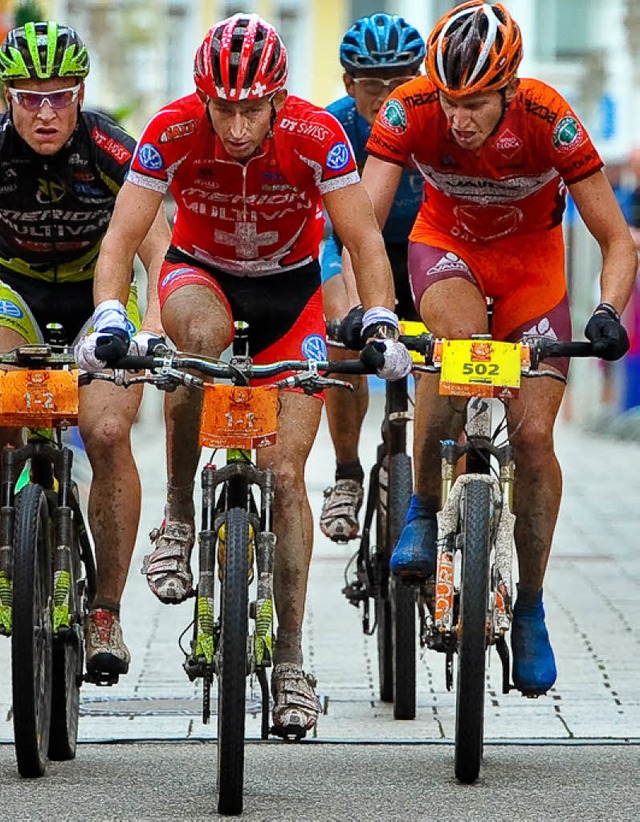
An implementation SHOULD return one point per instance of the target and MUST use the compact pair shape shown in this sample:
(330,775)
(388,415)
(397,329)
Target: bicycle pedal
(101,678)
(290,733)
(355,592)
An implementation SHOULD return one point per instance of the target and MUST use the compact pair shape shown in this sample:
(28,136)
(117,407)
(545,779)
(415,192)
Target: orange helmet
(473,48)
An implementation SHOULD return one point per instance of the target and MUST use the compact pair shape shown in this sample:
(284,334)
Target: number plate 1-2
(39,398)
(480,368)
(239,416)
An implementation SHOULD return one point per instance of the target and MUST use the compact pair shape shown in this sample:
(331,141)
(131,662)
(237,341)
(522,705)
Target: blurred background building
(142,55)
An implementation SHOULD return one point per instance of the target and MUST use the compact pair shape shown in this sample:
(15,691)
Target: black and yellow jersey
(54,210)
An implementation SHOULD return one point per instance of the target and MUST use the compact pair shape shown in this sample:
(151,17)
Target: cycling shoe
(534,665)
(415,554)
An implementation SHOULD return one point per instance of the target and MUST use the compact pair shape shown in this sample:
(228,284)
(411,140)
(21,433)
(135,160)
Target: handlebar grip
(348,367)
(556,348)
(132,362)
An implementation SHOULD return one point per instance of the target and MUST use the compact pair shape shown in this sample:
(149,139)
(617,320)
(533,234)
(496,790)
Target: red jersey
(512,185)
(256,217)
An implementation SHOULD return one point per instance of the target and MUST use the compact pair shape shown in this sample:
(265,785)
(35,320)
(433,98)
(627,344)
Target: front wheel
(232,662)
(402,597)
(472,630)
(31,644)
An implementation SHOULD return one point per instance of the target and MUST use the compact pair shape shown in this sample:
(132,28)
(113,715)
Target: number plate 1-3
(480,368)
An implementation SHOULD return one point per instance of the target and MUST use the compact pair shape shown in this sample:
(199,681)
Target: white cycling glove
(110,335)
(382,352)
(397,360)
(144,343)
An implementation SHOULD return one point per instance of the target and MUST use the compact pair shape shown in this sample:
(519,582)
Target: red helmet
(241,58)
(473,48)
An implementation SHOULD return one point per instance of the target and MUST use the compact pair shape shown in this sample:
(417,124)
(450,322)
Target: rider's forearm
(112,278)
(619,269)
(152,252)
(373,274)
(349,280)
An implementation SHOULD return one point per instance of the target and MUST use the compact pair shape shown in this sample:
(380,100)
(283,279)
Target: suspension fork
(7,519)
(63,519)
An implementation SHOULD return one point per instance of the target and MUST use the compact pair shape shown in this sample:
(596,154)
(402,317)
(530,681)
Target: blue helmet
(381,41)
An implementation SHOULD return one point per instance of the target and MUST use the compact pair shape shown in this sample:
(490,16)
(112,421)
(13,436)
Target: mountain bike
(236,534)
(467,608)
(47,567)
(367,576)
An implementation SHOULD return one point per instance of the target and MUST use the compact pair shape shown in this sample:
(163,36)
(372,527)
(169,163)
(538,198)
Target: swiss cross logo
(119,152)
(508,144)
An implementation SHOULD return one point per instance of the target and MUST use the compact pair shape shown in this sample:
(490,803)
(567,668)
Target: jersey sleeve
(328,153)
(391,132)
(560,137)
(161,147)
(113,147)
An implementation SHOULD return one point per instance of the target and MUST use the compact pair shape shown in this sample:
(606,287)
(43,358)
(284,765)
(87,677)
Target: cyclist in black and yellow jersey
(61,168)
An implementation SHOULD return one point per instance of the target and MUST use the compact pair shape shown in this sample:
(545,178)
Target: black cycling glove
(112,344)
(349,333)
(607,334)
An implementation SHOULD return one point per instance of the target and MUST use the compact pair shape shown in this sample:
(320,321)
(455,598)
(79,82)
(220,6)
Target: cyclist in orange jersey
(497,155)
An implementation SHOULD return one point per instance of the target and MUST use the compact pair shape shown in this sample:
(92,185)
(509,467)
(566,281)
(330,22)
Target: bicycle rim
(31,651)
(232,662)
(474,592)
(403,605)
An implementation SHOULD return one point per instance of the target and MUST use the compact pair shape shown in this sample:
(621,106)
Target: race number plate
(481,368)
(41,399)
(238,416)
(413,328)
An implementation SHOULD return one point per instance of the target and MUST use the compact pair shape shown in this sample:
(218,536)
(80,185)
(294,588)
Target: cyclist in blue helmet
(378,54)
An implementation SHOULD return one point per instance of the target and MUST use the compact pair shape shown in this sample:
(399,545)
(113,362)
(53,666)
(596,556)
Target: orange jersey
(515,184)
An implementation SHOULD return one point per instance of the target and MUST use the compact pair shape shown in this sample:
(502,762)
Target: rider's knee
(198,336)
(109,434)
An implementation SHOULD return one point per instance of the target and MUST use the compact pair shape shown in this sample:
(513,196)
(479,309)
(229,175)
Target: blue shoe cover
(534,665)
(415,554)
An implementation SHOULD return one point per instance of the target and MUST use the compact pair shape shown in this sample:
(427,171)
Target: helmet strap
(274,115)
(503,97)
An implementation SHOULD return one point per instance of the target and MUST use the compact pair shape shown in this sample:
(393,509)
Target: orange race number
(239,416)
(39,398)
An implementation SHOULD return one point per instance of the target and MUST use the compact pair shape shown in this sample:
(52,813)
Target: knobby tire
(382,603)
(68,652)
(474,594)
(31,641)
(402,597)
(233,663)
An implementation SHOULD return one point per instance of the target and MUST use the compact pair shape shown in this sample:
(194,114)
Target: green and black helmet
(39,51)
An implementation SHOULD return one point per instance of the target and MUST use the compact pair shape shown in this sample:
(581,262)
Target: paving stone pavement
(592,599)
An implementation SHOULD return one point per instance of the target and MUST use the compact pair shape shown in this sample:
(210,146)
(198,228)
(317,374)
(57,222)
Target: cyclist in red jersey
(250,169)
(497,155)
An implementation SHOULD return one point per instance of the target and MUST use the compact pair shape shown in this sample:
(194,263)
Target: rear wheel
(31,645)
(232,662)
(472,631)
(402,597)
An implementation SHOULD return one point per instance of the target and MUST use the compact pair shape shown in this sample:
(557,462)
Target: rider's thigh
(197,318)
(454,308)
(106,414)
(532,416)
(298,421)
